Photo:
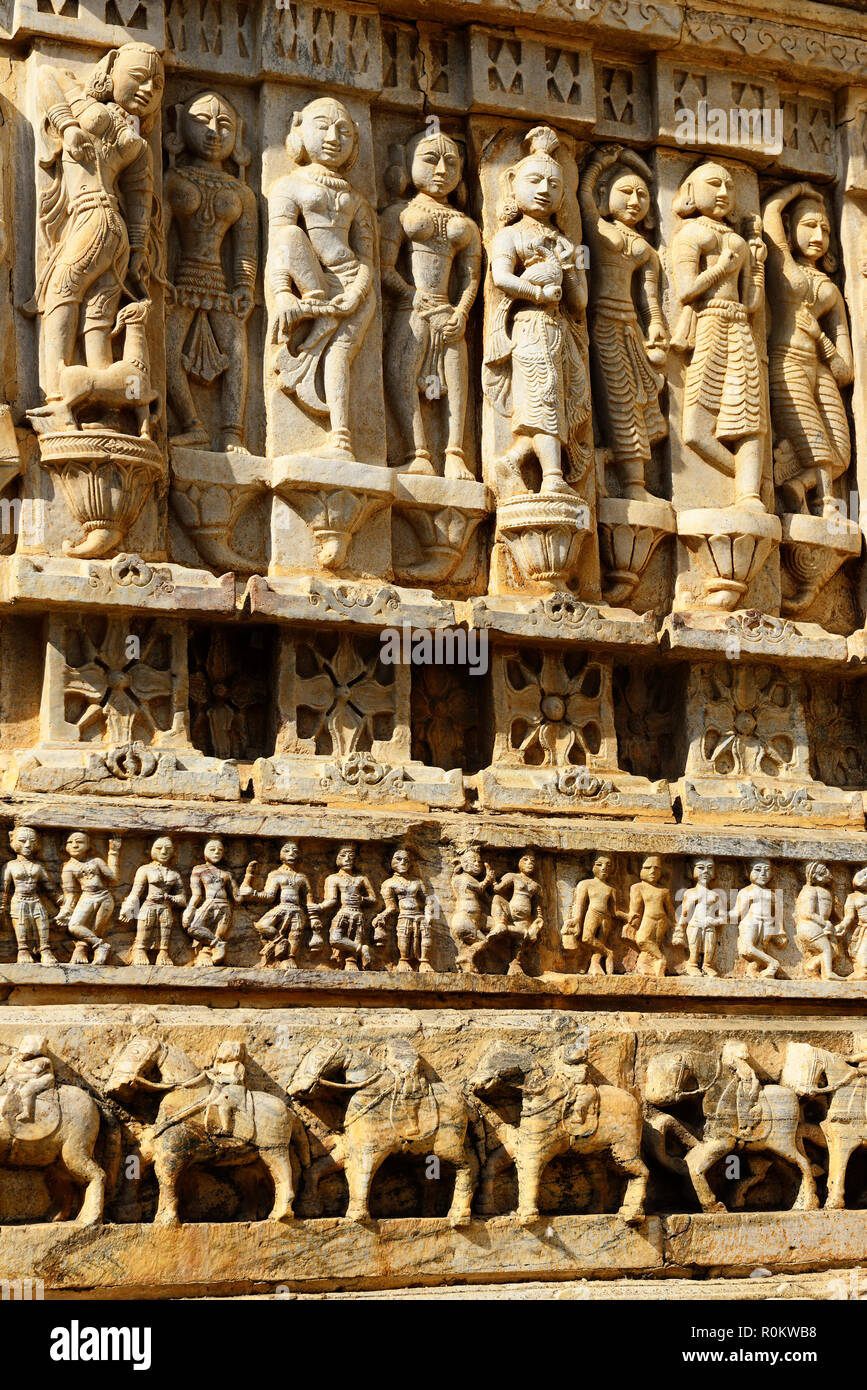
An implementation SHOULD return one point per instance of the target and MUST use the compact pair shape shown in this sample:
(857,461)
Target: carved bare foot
(232,443)
(47,956)
(455,466)
(163,958)
(194,436)
(25,958)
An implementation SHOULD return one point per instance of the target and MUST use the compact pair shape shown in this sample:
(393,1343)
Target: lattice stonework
(433,696)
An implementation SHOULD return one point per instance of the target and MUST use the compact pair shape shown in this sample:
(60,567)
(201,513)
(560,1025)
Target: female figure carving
(720,280)
(426,245)
(534,371)
(615,200)
(99,216)
(211,208)
(809,351)
(322,240)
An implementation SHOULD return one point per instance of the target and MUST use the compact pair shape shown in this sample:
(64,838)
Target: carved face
(214,851)
(703,871)
(78,844)
(651,869)
(328,132)
(209,128)
(601,866)
(289,852)
(538,187)
(401,862)
(138,81)
(760,873)
(471,861)
(527,864)
(712,191)
(821,874)
(162,850)
(436,166)
(811,230)
(346,858)
(24,841)
(629,199)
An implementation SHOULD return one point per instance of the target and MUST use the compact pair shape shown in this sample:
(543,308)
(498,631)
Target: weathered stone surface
(432,616)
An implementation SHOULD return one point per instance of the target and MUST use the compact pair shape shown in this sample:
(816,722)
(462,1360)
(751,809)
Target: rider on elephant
(733,1103)
(28,1074)
(229,1093)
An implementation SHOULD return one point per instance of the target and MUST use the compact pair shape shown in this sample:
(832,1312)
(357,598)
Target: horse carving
(207,1116)
(740,1113)
(815,1072)
(393,1108)
(561,1112)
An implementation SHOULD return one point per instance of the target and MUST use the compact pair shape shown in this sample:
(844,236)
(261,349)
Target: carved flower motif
(748,721)
(554,707)
(341,703)
(113,696)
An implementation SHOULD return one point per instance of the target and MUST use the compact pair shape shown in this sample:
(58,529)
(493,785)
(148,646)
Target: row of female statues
(100,220)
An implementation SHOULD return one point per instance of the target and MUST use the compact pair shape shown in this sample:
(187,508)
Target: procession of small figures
(354,927)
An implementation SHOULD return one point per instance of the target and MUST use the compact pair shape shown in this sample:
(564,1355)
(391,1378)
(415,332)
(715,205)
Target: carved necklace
(335,184)
(210,183)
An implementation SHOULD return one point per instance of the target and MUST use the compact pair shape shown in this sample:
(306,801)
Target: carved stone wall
(433,691)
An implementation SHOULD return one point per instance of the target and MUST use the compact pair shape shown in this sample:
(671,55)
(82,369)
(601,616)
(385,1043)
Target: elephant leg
(530,1166)
(496,1163)
(320,1168)
(466,1177)
(84,1170)
(632,1209)
(361,1168)
(279,1166)
(698,1160)
(168,1166)
(841,1145)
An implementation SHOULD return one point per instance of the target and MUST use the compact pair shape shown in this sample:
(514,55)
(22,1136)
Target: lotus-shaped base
(629,533)
(106,479)
(813,549)
(730,545)
(545,535)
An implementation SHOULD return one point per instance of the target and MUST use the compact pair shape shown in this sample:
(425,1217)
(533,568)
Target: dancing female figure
(720,280)
(534,369)
(322,239)
(809,351)
(206,331)
(629,397)
(426,243)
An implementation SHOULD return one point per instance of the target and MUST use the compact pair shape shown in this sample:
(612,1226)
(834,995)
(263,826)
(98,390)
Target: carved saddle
(46,1114)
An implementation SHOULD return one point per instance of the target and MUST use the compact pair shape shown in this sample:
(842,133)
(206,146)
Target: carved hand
(289,311)
(808,323)
(242,302)
(344,304)
(78,145)
(138,267)
(455,327)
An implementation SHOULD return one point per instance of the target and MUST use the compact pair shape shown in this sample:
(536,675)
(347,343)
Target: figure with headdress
(431,252)
(211,208)
(534,371)
(99,216)
(321,248)
(615,200)
(719,275)
(809,351)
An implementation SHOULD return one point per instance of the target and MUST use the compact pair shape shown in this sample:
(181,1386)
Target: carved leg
(191,431)
(319,1169)
(530,1165)
(84,1170)
(361,1167)
(748,475)
(632,1210)
(842,1143)
(168,1166)
(409,340)
(699,433)
(457,377)
(231,335)
(278,1165)
(496,1163)
(550,455)
(698,1160)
